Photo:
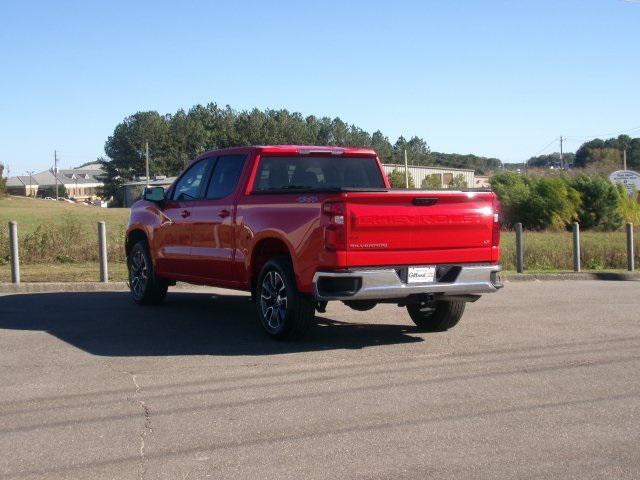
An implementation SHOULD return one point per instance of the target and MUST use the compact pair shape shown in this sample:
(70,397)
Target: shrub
(554,201)
(397,179)
(629,207)
(431,182)
(512,189)
(600,202)
(551,204)
(458,182)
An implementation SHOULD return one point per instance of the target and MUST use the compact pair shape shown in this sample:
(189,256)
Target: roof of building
(14,182)
(429,167)
(69,177)
(87,174)
(21,181)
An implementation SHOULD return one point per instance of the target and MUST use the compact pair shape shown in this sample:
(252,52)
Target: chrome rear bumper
(387,283)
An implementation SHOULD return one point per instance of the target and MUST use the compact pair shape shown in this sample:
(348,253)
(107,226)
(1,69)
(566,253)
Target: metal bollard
(102,242)
(15,257)
(519,249)
(630,253)
(576,247)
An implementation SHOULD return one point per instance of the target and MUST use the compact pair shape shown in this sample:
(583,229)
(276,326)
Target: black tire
(437,317)
(146,288)
(284,313)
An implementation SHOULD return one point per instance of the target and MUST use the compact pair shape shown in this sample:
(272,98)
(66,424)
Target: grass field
(57,232)
(554,250)
(58,242)
(32,212)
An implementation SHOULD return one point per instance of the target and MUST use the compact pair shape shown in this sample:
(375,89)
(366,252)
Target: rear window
(318,173)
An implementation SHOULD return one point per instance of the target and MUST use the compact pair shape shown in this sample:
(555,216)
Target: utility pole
(30,172)
(624,159)
(146,156)
(406,169)
(55,170)
(561,161)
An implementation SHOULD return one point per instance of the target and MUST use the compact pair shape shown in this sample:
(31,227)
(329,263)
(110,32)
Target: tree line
(596,154)
(175,139)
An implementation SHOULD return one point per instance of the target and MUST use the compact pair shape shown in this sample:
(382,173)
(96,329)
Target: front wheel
(284,312)
(438,316)
(146,287)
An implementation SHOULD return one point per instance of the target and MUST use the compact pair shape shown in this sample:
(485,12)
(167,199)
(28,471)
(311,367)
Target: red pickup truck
(298,226)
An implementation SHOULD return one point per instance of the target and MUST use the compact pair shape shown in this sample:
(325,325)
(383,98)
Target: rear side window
(225,176)
(317,173)
(190,184)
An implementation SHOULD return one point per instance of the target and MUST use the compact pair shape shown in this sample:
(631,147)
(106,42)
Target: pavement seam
(147,427)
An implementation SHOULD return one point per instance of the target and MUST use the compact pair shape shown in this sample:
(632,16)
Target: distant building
(80,183)
(132,191)
(22,185)
(444,174)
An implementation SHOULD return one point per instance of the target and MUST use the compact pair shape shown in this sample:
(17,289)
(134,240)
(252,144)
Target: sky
(491,77)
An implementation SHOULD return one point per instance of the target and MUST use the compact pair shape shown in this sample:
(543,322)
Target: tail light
(335,237)
(495,232)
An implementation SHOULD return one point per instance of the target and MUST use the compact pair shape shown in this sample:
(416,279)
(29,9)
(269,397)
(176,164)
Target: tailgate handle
(425,201)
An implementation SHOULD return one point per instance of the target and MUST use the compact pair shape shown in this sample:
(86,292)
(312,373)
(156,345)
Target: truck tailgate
(414,227)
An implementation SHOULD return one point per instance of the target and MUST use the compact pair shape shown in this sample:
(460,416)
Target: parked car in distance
(299,226)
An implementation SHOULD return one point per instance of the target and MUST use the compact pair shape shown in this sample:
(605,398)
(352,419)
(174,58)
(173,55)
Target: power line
(545,147)
(603,134)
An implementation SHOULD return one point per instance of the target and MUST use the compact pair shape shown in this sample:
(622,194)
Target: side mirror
(154,194)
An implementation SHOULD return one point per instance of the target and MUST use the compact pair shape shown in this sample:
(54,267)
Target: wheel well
(134,237)
(264,251)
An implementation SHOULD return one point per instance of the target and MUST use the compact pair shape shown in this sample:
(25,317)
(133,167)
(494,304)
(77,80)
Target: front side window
(225,176)
(318,173)
(190,184)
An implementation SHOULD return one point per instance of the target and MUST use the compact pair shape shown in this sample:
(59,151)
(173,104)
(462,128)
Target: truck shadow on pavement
(110,324)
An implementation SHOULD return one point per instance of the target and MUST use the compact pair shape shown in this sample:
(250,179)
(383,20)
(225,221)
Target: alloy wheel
(273,300)
(139,274)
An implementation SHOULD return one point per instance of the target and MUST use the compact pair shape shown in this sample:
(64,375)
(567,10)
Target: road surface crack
(147,428)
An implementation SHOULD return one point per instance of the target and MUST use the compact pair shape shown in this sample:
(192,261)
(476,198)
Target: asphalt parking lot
(540,380)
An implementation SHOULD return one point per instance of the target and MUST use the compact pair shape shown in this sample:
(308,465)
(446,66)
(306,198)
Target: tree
(382,146)
(551,160)
(552,204)
(513,190)
(431,182)
(609,153)
(176,139)
(458,182)
(398,180)
(600,205)
(3,182)
(481,165)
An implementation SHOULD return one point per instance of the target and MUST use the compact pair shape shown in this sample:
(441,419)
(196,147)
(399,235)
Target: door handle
(185,213)
(224,213)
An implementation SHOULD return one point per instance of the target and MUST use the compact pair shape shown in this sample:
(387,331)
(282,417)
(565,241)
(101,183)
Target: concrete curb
(615,276)
(44,287)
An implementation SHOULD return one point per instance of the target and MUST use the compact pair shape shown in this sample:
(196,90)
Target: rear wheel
(146,288)
(283,312)
(437,316)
